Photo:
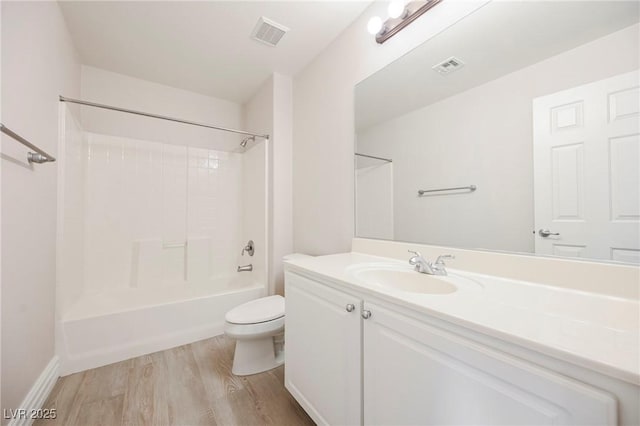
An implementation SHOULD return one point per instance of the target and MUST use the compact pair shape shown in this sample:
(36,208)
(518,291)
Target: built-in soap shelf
(155,262)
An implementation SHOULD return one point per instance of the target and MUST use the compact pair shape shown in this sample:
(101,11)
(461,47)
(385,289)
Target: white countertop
(591,330)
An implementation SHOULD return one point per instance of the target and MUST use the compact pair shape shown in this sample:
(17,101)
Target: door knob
(366,314)
(350,307)
(545,233)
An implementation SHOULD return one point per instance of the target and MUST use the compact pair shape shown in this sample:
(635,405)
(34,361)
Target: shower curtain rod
(161,117)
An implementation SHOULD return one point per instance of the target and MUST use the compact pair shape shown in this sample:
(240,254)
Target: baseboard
(306,406)
(38,393)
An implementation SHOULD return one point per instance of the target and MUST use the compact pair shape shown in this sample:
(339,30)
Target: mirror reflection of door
(586,177)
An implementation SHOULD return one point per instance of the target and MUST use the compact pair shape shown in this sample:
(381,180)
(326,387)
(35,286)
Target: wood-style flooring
(187,385)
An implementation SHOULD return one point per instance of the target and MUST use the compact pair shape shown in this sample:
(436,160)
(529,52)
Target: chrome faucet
(249,248)
(245,268)
(425,267)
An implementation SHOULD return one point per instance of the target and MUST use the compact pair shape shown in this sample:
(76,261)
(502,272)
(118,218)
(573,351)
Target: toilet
(258,328)
(255,325)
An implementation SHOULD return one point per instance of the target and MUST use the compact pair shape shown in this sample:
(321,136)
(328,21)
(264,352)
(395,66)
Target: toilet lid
(259,310)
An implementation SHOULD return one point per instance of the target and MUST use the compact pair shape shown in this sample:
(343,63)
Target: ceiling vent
(448,65)
(268,32)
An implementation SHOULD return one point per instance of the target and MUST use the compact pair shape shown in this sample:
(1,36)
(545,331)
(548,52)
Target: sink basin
(404,278)
(409,281)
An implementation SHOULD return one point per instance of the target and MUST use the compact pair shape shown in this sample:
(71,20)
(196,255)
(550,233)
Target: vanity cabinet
(374,365)
(323,351)
(415,373)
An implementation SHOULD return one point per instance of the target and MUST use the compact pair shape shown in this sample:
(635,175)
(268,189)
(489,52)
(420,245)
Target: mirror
(516,129)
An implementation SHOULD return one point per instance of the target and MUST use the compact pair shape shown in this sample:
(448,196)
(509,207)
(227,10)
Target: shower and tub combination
(162,229)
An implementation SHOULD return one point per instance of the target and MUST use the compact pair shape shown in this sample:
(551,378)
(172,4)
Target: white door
(323,351)
(586,170)
(416,374)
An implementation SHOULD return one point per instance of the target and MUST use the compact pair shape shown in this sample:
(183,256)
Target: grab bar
(173,245)
(470,188)
(39,156)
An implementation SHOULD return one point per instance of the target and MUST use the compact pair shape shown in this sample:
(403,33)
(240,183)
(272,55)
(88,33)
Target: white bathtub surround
(143,95)
(159,228)
(152,208)
(529,340)
(374,198)
(126,323)
(72,149)
(255,211)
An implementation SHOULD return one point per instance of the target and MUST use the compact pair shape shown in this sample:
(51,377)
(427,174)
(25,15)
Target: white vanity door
(323,351)
(417,374)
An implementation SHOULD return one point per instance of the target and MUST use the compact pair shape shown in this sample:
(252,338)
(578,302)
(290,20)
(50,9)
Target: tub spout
(245,268)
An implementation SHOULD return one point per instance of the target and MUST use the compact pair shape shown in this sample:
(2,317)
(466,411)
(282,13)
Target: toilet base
(255,356)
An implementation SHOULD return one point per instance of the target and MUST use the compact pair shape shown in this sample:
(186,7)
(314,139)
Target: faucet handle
(442,257)
(415,257)
(249,248)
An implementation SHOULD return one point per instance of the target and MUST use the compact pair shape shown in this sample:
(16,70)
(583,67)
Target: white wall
(323,123)
(254,193)
(269,111)
(114,89)
(282,157)
(492,149)
(258,117)
(38,64)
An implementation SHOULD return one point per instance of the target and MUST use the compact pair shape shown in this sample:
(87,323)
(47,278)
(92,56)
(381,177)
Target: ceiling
(497,39)
(204,46)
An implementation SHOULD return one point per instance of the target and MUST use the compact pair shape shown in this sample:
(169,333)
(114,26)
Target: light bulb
(396,9)
(375,25)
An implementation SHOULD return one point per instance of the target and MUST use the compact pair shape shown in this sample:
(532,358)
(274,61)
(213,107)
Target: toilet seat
(254,331)
(257,311)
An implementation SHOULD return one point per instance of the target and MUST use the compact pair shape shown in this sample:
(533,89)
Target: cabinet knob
(350,307)
(366,314)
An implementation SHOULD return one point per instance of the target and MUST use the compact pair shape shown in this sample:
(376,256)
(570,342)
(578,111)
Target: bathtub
(112,326)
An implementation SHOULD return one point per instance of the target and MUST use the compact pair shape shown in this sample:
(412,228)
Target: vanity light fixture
(374,26)
(401,14)
(397,9)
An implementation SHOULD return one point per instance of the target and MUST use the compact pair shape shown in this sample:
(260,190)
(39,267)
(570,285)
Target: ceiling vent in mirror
(268,32)
(448,65)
